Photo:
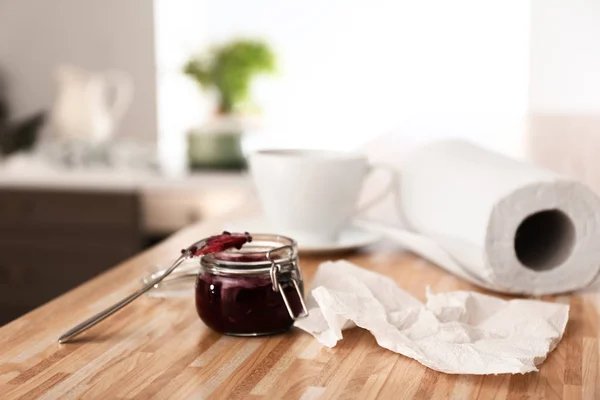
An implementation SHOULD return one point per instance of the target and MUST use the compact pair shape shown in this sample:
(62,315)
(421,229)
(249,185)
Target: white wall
(351,70)
(565,56)
(36,35)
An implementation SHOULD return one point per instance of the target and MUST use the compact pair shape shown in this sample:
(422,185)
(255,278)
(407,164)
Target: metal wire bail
(276,285)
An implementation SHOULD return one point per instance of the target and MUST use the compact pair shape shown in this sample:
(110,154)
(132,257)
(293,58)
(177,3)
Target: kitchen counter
(159,348)
(168,202)
(27,171)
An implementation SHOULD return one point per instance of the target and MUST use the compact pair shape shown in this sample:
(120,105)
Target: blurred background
(124,121)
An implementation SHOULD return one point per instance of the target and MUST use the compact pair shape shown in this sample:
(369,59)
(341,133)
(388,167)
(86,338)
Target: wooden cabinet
(53,240)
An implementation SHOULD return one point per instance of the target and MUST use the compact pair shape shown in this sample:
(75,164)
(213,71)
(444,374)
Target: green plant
(230,69)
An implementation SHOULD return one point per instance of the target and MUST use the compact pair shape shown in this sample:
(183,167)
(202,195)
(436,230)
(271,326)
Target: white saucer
(351,238)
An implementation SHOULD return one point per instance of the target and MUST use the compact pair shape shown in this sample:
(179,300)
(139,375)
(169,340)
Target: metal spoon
(199,248)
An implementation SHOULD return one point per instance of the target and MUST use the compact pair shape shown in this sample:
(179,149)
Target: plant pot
(216,151)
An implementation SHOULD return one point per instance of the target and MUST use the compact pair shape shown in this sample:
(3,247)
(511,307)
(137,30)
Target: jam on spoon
(212,244)
(218,243)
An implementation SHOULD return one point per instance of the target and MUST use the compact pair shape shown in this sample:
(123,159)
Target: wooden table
(159,348)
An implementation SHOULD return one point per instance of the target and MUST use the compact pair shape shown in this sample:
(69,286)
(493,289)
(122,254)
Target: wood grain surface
(158,348)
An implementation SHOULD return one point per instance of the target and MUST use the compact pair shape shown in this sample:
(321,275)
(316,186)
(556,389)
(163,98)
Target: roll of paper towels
(501,223)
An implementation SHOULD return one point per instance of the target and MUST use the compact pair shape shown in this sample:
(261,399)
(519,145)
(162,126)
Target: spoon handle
(202,247)
(88,323)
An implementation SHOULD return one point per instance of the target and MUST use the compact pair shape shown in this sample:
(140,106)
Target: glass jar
(257,290)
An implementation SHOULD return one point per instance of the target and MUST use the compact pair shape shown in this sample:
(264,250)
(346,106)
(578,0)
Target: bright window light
(352,70)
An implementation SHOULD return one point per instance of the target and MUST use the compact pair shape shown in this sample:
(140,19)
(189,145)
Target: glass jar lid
(258,256)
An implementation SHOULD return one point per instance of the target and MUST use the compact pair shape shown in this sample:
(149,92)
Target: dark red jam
(245,304)
(217,243)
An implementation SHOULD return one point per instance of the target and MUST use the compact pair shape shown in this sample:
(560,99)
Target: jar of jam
(256,290)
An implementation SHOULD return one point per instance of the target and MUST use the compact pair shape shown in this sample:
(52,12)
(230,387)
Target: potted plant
(227,71)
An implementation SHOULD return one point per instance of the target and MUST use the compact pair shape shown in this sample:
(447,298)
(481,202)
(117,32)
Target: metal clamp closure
(277,287)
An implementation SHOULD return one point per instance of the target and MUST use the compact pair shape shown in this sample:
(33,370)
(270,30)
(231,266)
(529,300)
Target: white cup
(311,195)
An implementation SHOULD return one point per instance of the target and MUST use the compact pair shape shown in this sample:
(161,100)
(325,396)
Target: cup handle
(389,188)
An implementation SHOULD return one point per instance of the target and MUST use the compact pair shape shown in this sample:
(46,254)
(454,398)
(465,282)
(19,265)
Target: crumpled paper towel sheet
(456,332)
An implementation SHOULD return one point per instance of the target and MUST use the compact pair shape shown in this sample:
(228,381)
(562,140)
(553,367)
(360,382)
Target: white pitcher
(84,108)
